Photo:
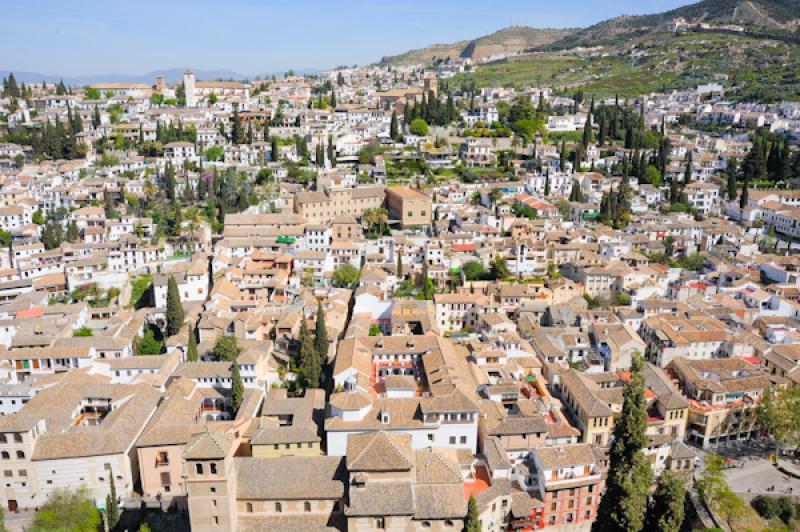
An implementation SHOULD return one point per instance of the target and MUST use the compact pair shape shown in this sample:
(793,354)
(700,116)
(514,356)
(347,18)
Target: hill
(505,41)
(775,16)
(751,68)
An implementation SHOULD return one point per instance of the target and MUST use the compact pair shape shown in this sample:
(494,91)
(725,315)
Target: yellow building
(409,206)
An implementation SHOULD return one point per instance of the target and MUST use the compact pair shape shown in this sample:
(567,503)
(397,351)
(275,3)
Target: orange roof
(34,312)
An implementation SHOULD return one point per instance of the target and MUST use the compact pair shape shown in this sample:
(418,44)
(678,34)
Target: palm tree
(495,195)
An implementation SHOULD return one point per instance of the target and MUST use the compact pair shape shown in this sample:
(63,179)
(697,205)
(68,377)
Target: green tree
(419,127)
(715,491)
(112,504)
(394,130)
(90,93)
(587,131)
(144,527)
(779,413)
(237,134)
(237,387)
(731,171)
(67,511)
(399,265)
(226,348)
(473,521)
(147,344)
(744,196)
(666,509)
(498,269)
(346,276)
(73,234)
(308,358)
(473,270)
(175,315)
(191,350)
(623,505)
(321,334)
(5,238)
(83,332)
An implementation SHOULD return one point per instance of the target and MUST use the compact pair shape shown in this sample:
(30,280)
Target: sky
(88,37)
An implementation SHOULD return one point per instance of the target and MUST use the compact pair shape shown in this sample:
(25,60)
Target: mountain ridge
(171,75)
(504,41)
(776,15)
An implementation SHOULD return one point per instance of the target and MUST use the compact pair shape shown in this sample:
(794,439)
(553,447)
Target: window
(463,440)
(3,438)
(249,507)
(5,455)
(23,472)
(21,455)
(198,469)
(216,520)
(306,506)
(380,523)
(8,473)
(278,507)
(212,489)
(18,438)
(452,440)
(213,469)
(426,524)
(430,436)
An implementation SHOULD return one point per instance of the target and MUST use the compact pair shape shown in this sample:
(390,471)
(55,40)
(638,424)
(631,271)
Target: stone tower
(188,86)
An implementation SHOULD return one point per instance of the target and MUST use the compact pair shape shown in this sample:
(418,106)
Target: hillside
(505,41)
(763,69)
(775,16)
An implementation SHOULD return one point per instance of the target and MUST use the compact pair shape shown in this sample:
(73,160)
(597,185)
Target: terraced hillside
(753,68)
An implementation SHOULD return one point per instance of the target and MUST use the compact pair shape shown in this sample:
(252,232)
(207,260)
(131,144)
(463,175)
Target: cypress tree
(731,170)
(563,157)
(174,308)
(394,132)
(399,265)
(473,522)
(547,183)
(333,99)
(236,128)
(587,131)
(321,334)
(237,387)
(112,505)
(665,512)
(687,173)
(73,234)
(191,351)
(274,148)
(306,345)
(743,197)
(623,505)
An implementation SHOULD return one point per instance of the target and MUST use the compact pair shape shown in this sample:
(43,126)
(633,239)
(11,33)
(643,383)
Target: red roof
(34,312)
(463,247)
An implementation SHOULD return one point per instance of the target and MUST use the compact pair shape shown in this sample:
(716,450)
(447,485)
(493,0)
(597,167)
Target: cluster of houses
(479,352)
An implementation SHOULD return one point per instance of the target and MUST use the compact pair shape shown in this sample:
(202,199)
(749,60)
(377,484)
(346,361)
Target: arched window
(21,455)
(307,506)
(5,455)
(278,507)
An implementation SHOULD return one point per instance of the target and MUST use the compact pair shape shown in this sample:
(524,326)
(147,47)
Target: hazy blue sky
(83,37)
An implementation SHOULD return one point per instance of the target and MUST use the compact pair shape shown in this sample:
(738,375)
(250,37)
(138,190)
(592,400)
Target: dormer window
(385,418)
